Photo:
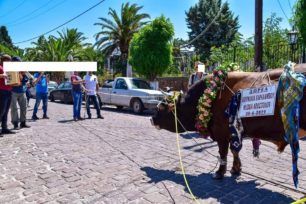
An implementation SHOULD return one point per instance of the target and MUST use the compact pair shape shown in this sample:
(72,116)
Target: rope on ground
(245,172)
(180,157)
(185,179)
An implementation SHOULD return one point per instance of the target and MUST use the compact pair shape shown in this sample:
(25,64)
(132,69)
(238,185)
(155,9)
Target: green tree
(222,30)
(5,39)
(12,51)
(178,59)
(69,42)
(151,48)
(274,42)
(59,48)
(300,18)
(239,51)
(118,31)
(90,54)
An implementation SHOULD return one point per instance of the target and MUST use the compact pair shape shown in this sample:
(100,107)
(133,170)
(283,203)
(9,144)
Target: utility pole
(258,35)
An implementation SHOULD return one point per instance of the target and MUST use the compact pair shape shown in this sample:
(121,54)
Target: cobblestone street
(123,159)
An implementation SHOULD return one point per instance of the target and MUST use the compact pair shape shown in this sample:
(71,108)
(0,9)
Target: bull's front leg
(236,168)
(223,151)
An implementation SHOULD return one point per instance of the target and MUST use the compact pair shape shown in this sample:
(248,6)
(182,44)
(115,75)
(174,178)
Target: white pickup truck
(130,92)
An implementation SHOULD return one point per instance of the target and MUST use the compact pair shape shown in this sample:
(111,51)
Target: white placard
(12,78)
(256,102)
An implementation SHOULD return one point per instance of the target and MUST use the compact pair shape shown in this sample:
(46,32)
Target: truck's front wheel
(137,106)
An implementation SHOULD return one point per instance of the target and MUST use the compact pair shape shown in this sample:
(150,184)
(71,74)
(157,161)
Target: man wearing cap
(19,96)
(5,97)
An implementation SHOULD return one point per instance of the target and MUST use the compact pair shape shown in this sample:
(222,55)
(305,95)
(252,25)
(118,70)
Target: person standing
(77,87)
(28,93)
(5,97)
(19,96)
(92,86)
(197,75)
(41,86)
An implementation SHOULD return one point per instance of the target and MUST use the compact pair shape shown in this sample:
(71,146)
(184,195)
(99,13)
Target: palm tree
(13,51)
(118,32)
(72,38)
(69,42)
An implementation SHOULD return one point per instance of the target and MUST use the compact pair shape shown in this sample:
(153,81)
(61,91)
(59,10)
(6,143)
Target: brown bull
(268,128)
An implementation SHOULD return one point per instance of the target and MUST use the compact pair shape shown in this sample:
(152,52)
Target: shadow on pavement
(200,146)
(190,135)
(66,121)
(127,111)
(226,190)
(61,102)
(193,135)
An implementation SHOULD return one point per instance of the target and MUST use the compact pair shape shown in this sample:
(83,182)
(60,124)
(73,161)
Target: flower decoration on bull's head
(170,99)
(213,84)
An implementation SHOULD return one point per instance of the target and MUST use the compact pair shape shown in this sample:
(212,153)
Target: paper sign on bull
(256,102)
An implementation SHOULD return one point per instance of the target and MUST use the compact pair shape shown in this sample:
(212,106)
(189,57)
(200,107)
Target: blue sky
(29,18)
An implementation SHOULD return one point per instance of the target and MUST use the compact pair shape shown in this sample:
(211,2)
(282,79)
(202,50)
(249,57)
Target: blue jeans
(77,103)
(5,102)
(96,104)
(44,98)
(28,95)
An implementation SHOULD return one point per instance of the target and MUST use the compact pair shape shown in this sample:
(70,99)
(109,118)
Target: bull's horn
(165,93)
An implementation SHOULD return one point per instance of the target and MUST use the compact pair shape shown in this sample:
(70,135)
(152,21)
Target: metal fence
(274,56)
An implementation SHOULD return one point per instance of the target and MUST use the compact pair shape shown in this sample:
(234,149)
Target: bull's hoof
(217,176)
(235,172)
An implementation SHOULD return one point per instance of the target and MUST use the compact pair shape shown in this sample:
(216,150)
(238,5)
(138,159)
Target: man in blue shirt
(41,86)
(19,96)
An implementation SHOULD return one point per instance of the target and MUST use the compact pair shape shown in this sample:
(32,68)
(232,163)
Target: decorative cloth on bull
(235,124)
(213,84)
(290,92)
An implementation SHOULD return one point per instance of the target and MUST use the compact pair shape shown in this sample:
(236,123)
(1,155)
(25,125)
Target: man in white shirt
(91,86)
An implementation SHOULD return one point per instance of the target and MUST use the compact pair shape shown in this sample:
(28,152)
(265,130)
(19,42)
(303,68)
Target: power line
(290,5)
(12,10)
(280,5)
(29,14)
(62,24)
(41,13)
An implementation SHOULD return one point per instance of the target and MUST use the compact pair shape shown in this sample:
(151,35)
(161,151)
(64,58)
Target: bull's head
(186,108)
(165,115)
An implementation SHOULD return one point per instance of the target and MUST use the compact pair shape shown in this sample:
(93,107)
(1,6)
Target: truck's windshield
(140,84)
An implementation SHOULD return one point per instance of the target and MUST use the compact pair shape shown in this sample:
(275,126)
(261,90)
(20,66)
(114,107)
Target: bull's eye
(160,106)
